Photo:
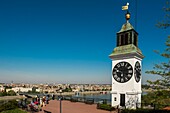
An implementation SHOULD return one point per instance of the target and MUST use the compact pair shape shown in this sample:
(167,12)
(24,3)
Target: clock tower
(126,68)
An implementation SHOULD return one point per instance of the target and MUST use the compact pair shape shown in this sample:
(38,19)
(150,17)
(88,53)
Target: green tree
(34,89)
(163,69)
(158,98)
(166,22)
(67,89)
(11,93)
(3,93)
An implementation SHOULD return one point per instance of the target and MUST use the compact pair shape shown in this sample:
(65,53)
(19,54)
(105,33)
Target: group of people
(36,103)
(39,102)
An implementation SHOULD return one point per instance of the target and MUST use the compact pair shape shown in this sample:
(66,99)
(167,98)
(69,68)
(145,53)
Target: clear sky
(69,41)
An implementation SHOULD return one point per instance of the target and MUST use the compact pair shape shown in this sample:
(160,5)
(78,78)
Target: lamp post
(60,101)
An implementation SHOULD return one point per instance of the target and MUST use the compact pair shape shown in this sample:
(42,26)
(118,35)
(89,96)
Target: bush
(14,111)
(144,111)
(8,105)
(157,97)
(3,93)
(11,93)
(105,107)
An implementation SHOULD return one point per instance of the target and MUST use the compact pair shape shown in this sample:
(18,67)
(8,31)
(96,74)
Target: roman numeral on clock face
(126,79)
(129,67)
(118,79)
(129,75)
(122,64)
(122,80)
(115,76)
(129,71)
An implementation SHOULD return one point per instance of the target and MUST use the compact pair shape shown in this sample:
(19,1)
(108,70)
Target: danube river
(98,97)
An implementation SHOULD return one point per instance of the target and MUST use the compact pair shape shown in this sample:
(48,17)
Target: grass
(14,111)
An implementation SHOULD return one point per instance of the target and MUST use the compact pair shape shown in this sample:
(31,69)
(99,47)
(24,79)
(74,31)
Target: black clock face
(137,72)
(122,72)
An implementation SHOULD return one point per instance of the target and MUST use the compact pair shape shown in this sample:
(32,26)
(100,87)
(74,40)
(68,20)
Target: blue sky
(68,41)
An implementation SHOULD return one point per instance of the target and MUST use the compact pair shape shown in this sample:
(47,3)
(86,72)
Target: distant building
(20,89)
(2,88)
(39,90)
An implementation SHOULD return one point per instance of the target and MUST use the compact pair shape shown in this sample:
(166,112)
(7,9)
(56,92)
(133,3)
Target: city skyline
(64,41)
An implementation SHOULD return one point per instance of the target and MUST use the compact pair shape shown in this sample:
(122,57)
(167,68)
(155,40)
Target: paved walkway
(11,97)
(72,107)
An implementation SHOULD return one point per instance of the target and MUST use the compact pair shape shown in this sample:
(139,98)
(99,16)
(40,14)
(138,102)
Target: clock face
(137,72)
(122,72)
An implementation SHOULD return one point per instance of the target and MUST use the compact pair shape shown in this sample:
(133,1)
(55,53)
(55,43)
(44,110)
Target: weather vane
(126,8)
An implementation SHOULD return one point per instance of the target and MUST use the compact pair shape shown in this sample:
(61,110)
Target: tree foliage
(11,93)
(166,22)
(163,69)
(67,89)
(158,98)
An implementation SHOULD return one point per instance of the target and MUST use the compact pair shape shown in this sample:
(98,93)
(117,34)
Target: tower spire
(127,15)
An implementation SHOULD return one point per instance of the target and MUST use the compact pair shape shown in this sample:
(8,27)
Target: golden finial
(127,15)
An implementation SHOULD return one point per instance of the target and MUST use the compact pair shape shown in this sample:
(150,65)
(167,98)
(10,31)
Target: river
(99,97)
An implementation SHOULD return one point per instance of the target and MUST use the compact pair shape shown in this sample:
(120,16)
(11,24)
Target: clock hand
(138,69)
(118,71)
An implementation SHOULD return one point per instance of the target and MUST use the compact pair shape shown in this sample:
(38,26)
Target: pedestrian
(52,96)
(46,99)
(43,101)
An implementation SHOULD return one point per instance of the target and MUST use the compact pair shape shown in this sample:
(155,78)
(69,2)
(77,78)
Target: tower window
(118,40)
(126,38)
(130,38)
(122,40)
(135,40)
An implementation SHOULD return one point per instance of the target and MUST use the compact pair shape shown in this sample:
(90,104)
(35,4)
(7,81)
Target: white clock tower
(126,68)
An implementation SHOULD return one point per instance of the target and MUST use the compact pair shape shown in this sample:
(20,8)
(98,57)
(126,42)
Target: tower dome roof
(126,27)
